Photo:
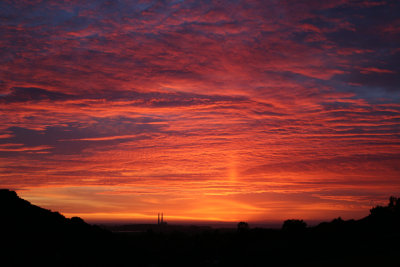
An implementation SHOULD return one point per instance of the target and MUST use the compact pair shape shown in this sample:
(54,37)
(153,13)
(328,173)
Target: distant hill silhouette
(33,236)
(157,228)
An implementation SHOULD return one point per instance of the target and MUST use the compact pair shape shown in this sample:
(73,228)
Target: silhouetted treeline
(31,236)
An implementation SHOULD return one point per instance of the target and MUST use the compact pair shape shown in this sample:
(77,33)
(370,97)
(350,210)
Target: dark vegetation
(32,236)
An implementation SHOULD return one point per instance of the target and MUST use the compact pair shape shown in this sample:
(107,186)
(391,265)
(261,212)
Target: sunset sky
(204,110)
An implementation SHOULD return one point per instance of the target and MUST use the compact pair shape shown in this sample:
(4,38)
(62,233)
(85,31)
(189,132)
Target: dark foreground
(32,236)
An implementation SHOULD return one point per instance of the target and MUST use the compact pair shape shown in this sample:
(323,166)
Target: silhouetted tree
(394,203)
(77,220)
(391,208)
(243,227)
(294,225)
(385,218)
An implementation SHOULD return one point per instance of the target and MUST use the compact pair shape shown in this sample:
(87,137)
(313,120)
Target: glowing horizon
(225,111)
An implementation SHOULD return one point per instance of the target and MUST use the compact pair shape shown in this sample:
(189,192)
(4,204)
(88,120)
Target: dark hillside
(31,236)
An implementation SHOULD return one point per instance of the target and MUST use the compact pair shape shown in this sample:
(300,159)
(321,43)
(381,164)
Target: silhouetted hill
(33,236)
(30,234)
(20,216)
(381,220)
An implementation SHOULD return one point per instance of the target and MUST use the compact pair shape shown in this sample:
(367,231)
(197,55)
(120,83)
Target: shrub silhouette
(385,218)
(294,225)
(243,227)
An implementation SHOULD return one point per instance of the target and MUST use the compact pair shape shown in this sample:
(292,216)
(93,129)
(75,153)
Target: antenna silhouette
(160,218)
